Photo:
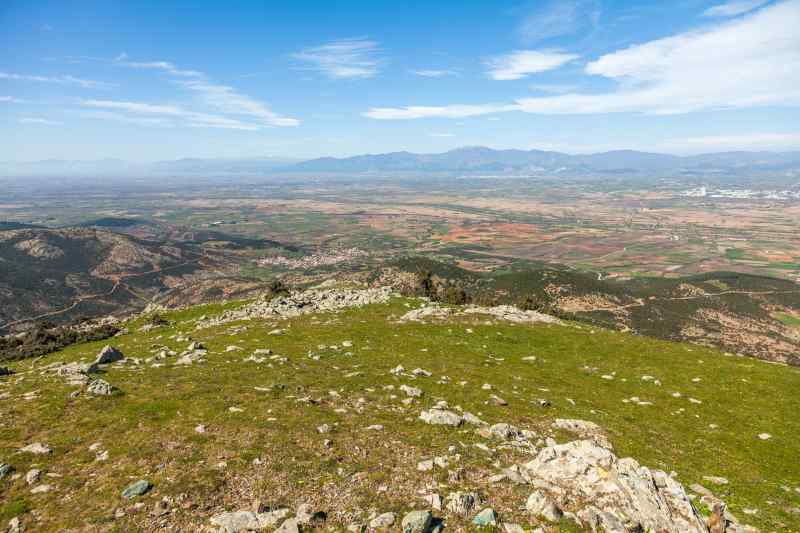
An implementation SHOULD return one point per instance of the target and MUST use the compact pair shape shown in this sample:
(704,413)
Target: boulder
(417,522)
(383,521)
(100,387)
(108,355)
(485,518)
(539,505)
(461,503)
(136,489)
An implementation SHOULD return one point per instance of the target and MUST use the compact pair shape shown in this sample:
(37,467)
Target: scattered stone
(33,476)
(37,448)
(200,428)
(435,501)
(764,436)
(716,480)
(100,387)
(421,372)
(487,517)
(497,400)
(136,489)
(425,466)
(585,430)
(504,431)
(412,392)
(40,489)
(324,428)
(5,469)
(441,417)
(417,522)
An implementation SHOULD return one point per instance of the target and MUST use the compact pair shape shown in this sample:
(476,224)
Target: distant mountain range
(468,159)
(480,159)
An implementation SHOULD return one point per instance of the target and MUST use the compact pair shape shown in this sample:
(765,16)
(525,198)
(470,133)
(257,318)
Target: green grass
(789,320)
(148,429)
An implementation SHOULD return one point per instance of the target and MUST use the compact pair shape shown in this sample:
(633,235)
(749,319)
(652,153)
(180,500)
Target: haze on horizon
(166,81)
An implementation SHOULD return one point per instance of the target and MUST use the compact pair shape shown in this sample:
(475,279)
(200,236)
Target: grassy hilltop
(259,440)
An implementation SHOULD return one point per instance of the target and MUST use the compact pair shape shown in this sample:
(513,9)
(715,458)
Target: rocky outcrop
(301,303)
(605,493)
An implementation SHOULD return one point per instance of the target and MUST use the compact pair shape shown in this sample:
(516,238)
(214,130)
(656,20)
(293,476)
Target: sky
(154,80)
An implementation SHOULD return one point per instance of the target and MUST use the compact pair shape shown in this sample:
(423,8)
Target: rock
(397,370)
(33,476)
(289,525)
(716,480)
(538,504)
(383,521)
(412,392)
(136,489)
(37,448)
(461,503)
(441,417)
(5,371)
(324,428)
(764,436)
(469,418)
(615,495)
(100,387)
(108,355)
(200,428)
(417,522)
(487,517)
(421,372)
(513,528)
(5,469)
(14,525)
(425,466)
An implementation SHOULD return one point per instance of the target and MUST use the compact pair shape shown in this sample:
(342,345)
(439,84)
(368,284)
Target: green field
(148,426)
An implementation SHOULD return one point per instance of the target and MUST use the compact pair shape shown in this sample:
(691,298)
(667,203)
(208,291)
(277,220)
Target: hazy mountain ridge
(467,159)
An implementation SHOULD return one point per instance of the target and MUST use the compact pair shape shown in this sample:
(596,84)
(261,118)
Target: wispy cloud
(40,121)
(736,7)
(553,88)
(11,100)
(342,59)
(442,134)
(164,66)
(747,62)
(521,63)
(557,18)
(178,115)
(61,80)
(228,100)
(221,98)
(432,73)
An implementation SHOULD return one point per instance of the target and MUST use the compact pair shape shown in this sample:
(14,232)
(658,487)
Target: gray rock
(585,430)
(136,489)
(417,522)
(441,417)
(100,387)
(236,521)
(33,476)
(513,528)
(108,355)
(383,521)
(412,392)
(5,469)
(487,517)
(504,431)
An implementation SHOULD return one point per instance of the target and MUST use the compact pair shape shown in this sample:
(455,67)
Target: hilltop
(349,409)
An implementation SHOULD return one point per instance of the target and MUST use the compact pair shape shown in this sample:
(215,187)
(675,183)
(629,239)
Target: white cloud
(442,134)
(521,63)
(748,62)
(180,115)
(343,59)
(11,100)
(41,121)
(119,117)
(61,80)
(736,7)
(552,88)
(431,73)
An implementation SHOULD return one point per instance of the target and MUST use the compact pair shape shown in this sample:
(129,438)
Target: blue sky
(160,80)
